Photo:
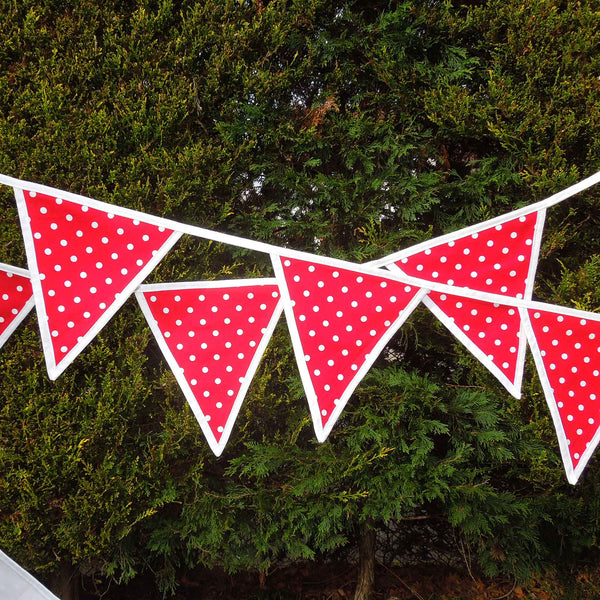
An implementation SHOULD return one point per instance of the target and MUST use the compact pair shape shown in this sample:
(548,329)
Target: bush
(351,129)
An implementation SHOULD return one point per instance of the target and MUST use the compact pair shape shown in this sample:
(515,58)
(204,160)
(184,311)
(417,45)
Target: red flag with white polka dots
(492,332)
(16,299)
(496,257)
(213,335)
(85,259)
(340,320)
(566,348)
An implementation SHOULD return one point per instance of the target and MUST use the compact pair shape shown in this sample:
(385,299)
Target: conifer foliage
(347,128)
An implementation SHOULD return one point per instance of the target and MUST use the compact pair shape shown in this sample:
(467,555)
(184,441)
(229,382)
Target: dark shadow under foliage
(351,129)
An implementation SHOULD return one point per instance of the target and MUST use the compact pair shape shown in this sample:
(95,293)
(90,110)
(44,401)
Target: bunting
(85,258)
(491,331)
(339,320)
(213,335)
(566,348)
(84,262)
(16,299)
(498,257)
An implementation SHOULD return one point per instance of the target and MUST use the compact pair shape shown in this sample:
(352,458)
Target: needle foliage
(346,128)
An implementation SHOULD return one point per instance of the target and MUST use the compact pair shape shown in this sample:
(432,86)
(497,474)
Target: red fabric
(570,351)
(340,315)
(492,328)
(15,291)
(86,257)
(213,335)
(495,260)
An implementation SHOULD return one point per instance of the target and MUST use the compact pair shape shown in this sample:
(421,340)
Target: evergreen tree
(350,129)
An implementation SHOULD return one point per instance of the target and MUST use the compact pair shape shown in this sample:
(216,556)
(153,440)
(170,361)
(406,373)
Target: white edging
(54,368)
(513,389)
(550,401)
(371,268)
(216,446)
(535,253)
(27,307)
(311,395)
(15,270)
(33,589)
(478,227)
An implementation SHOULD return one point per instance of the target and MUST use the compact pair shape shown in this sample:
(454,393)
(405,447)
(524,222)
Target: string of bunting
(86,258)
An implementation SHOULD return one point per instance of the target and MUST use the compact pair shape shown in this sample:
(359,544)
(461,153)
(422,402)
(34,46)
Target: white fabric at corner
(18,584)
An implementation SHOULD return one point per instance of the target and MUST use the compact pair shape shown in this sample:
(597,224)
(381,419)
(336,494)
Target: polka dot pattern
(493,328)
(494,260)
(570,351)
(213,334)
(85,259)
(15,291)
(340,316)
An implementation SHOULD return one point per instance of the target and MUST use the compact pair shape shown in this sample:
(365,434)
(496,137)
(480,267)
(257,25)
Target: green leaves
(351,129)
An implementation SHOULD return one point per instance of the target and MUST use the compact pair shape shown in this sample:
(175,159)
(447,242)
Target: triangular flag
(213,335)
(340,319)
(492,332)
(566,348)
(498,257)
(16,299)
(85,259)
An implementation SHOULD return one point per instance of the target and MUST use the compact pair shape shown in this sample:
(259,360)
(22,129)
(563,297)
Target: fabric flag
(340,320)
(16,299)
(18,584)
(213,335)
(492,332)
(85,259)
(566,348)
(499,257)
